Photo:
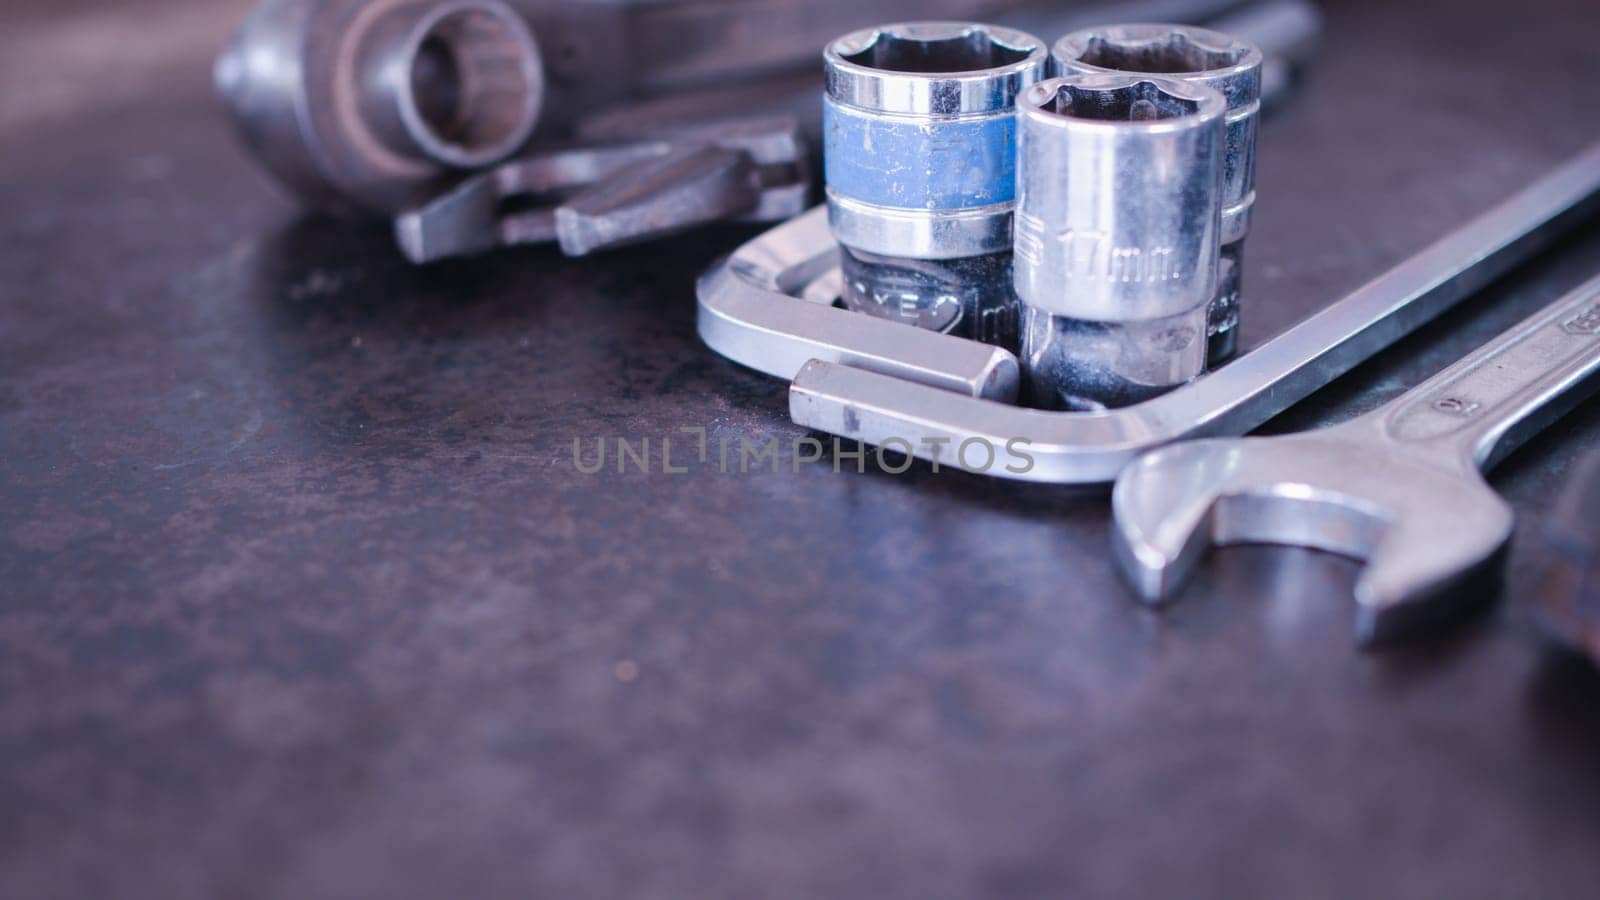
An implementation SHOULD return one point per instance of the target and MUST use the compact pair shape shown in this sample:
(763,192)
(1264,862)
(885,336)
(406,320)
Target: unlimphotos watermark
(696,447)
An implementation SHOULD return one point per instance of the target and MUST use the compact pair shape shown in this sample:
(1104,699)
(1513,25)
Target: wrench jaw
(1164,505)
(1432,565)
(1172,505)
(1428,536)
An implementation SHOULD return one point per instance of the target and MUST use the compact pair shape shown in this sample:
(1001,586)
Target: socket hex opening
(1137,101)
(1177,51)
(473,85)
(937,49)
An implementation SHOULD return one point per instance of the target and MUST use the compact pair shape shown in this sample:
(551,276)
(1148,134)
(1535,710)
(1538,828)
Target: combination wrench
(1400,487)
(769,307)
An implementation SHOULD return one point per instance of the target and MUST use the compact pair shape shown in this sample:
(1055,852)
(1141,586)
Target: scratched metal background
(302,596)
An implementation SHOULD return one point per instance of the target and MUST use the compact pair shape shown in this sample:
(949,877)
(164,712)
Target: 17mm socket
(1117,224)
(1201,56)
(920,150)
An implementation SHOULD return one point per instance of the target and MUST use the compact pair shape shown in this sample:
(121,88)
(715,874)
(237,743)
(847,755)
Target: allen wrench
(770,307)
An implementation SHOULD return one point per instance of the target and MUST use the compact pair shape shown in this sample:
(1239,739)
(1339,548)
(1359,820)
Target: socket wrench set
(590,124)
(1063,286)
(1034,247)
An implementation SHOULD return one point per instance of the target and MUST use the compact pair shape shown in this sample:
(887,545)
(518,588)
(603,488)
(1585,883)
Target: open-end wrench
(1399,487)
(901,402)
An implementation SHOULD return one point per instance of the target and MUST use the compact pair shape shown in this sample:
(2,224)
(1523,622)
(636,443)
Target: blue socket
(929,164)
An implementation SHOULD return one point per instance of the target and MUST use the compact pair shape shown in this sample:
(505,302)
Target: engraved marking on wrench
(1587,322)
(1498,378)
(1456,406)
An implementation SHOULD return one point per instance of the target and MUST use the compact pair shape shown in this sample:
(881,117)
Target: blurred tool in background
(1568,596)
(586,199)
(373,106)
(378,107)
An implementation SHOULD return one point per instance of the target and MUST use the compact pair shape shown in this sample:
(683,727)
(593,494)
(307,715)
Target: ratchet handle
(1484,406)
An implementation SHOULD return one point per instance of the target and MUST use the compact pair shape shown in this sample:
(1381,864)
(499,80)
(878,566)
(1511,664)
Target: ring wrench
(1399,487)
(855,380)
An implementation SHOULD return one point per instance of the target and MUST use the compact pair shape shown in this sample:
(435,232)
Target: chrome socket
(371,106)
(1117,244)
(1226,63)
(920,162)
